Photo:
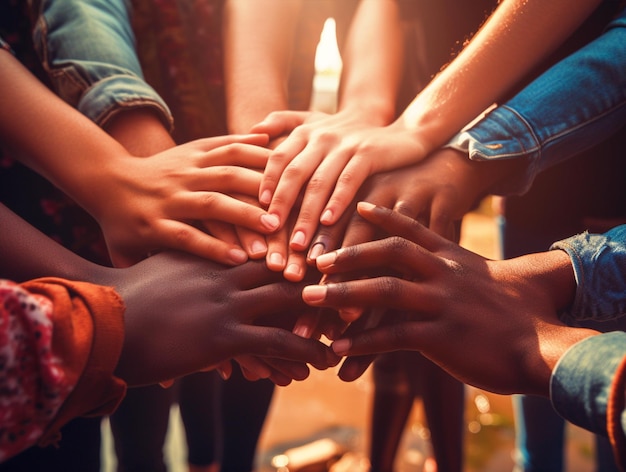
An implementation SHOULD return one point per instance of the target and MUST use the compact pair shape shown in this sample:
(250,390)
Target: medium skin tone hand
(143,205)
(146,205)
(492,324)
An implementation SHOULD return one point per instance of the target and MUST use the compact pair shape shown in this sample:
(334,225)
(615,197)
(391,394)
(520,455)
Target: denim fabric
(88,48)
(581,381)
(599,262)
(571,107)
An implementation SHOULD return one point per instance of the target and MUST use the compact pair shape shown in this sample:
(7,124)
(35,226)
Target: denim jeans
(88,49)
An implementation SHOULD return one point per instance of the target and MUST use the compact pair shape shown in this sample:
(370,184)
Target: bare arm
(258,39)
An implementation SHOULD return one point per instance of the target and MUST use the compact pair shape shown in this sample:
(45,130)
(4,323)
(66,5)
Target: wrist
(373,112)
(140,131)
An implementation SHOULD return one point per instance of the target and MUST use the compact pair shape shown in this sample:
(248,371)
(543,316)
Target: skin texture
(440,301)
(514,40)
(183,313)
(142,205)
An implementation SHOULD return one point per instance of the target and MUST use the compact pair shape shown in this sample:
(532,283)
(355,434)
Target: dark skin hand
(492,324)
(183,313)
(438,192)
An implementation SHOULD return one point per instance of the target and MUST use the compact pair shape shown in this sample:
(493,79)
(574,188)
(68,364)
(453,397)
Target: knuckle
(390,287)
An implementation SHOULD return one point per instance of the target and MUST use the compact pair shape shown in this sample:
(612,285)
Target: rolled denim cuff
(501,135)
(119,93)
(599,263)
(581,381)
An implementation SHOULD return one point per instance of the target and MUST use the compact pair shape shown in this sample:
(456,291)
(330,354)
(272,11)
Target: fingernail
(341,346)
(293,270)
(327,217)
(326,260)
(270,221)
(266,197)
(238,256)
(314,293)
(316,251)
(366,205)
(276,260)
(222,373)
(258,247)
(298,239)
(302,330)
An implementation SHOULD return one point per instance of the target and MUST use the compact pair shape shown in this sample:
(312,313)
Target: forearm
(26,253)
(516,38)
(372,61)
(49,134)
(258,39)
(574,105)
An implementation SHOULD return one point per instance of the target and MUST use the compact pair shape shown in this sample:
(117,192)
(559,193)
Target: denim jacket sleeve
(588,387)
(599,262)
(88,49)
(574,105)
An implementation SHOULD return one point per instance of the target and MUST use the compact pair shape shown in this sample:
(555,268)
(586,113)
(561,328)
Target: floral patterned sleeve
(52,366)
(32,382)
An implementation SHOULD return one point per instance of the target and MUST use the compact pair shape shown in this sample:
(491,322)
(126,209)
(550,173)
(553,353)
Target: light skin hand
(454,303)
(147,205)
(328,157)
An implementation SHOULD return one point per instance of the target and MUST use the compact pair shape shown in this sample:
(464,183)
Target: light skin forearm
(257,50)
(44,128)
(372,60)
(140,131)
(514,40)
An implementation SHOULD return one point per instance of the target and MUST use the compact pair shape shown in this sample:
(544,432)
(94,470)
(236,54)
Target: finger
(292,182)
(389,255)
(277,343)
(236,154)
(316,193)
(222,231)
(328,238)
(227,179)
(306,324)
(280,123)
(215,142)
(296,266)
(253,368)
(186,238)
(277,249)
(252,242)
(441,217)
(348,183)
(279,159)
(289,369)
(354,367)
(388,338)
(222,207)
(380,292)
(394,223)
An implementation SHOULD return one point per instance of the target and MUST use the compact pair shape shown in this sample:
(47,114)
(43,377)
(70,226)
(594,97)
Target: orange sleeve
(615,410)
(88,336)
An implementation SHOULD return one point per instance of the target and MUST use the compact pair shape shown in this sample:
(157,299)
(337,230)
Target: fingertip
(341,347)
(237,256)
(328,217)
(265,197)
(275,261)
(314,293)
